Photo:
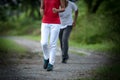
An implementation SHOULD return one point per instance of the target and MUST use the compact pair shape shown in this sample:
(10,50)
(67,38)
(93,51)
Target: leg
(60,37)
(54,33)
(65,44)
(44,40)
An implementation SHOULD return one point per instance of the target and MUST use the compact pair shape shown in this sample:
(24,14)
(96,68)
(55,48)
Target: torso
(66,16)
(49,16)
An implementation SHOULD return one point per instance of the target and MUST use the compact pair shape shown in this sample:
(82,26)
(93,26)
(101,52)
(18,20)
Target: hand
(55,10)
(74,24)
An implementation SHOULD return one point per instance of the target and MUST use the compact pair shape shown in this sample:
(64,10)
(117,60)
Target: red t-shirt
(49,16)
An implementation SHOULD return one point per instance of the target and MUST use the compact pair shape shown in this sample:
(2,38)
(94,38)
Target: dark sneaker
(50,67)
(45,64)
(64,61)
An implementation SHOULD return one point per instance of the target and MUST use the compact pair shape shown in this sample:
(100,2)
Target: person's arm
(41,8)
(75,18)
(62,2)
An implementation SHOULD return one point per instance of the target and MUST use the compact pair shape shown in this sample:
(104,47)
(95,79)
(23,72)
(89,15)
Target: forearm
(41,8)
(75,18)
(41,11)
(76,15)
(41,4)
(62,2)
(58,10)
(62,7)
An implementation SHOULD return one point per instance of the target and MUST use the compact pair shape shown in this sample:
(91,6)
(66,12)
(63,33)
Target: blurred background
(97,24)
(97,28)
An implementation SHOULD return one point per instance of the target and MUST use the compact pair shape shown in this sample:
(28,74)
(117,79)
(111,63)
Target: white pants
(49,32)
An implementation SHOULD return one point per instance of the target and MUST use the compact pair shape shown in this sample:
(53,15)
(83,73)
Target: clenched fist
(55,10)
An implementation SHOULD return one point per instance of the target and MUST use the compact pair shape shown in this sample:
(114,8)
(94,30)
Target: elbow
(76,12)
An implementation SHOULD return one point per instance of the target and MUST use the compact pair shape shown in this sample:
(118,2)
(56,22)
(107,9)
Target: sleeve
(74,6)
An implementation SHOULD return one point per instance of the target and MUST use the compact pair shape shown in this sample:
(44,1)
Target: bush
(5,27)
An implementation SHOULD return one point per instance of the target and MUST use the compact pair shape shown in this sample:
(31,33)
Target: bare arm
(75,18)
(41,8)
(62,2)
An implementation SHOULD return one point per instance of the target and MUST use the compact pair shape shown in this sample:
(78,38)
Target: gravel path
(32,68)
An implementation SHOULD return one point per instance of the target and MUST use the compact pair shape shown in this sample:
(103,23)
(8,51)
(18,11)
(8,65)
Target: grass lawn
(8,48)
(108,72)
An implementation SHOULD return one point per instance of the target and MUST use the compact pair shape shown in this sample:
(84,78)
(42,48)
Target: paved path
(32,68)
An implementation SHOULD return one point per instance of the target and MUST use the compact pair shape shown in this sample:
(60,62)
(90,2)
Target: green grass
(97,47)
(9,46)
(32,37)
(10,50)
(109,72)
(101,47)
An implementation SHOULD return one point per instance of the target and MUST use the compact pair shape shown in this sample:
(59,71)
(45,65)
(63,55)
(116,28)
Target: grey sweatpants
(64,43)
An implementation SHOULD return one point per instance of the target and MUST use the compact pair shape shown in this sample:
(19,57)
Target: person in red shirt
(50,28)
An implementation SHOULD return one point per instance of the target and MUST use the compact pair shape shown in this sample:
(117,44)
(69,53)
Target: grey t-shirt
(66,16)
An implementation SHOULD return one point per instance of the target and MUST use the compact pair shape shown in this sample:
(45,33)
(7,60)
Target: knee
(65,40)
(44,44)
(52,45)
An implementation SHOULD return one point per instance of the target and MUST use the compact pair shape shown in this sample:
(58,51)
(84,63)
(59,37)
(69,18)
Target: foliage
(98,26)
(110,72)
(98,21)
(5,27)
(102,26)
(16,7)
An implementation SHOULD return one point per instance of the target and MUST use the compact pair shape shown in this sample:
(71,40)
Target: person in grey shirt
(67,23)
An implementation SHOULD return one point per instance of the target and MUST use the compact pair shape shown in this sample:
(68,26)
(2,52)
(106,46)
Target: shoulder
(72,4)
